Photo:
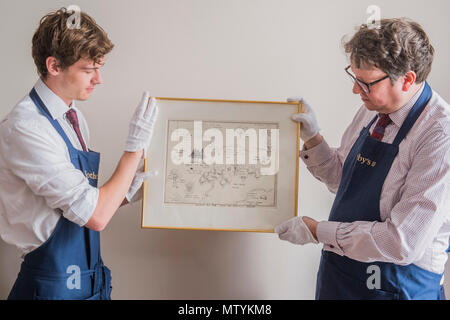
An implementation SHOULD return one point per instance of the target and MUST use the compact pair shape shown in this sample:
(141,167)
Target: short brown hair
(54,38)
(396,47)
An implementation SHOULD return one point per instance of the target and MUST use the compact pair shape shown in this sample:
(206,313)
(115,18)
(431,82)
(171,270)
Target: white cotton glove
(135,192)
(141,125)
(310,127)
(295,230)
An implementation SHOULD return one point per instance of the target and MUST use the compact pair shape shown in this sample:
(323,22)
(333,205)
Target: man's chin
(83,97)
(369,106)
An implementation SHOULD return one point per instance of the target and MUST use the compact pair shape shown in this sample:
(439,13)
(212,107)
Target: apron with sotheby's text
(68,265)
(358,199)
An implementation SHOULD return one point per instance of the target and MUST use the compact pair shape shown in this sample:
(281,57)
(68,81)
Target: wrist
(314,141)
(312,225)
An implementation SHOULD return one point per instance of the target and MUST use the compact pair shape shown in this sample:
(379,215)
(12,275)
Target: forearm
(369,241)
(124,202)
(112,193)
(365,241)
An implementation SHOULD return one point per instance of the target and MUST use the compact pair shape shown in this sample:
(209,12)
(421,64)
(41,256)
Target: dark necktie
(73,119)
(382,123)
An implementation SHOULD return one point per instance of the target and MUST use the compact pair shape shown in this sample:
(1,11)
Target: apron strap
(92,236)
(41,106)
(414,114)
(370,124)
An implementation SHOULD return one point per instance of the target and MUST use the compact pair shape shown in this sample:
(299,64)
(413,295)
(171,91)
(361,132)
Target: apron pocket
(94,297)
(376,294)
(51,288)
(339,284)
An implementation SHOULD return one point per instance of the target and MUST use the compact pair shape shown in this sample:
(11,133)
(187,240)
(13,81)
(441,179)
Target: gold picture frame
(157,212)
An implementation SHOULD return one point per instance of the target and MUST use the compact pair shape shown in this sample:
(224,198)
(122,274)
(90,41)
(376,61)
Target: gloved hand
(295,230)
(135,192)
(310,127)
(141,125)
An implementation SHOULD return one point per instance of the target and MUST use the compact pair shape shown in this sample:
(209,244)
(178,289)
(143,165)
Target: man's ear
(53,67)
(408,80)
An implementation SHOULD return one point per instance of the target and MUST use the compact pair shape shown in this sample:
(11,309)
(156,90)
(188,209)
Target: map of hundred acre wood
(197,183)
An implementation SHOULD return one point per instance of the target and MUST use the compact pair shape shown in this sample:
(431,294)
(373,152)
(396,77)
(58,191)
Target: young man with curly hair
(50,205)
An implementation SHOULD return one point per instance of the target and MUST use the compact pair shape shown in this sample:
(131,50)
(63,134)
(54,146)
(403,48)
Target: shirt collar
(400,115)
(55,105)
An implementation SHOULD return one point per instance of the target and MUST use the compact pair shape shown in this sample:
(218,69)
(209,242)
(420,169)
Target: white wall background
(226,49)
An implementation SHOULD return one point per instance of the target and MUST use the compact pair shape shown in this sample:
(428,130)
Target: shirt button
(306,156)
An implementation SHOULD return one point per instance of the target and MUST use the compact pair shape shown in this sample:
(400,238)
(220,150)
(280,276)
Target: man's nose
(356,88)
(98,77)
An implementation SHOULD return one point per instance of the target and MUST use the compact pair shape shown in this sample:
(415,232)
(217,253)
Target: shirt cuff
(317,155)
(326,234)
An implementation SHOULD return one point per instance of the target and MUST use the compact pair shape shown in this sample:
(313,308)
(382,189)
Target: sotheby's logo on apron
(365,161)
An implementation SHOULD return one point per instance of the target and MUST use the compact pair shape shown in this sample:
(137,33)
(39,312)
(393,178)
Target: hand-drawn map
(198,182)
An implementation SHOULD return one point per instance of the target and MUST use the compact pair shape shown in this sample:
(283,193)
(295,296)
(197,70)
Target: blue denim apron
(68,265)
(358,199)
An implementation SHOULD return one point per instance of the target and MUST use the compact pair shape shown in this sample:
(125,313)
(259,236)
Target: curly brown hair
(54,38)
(396,47)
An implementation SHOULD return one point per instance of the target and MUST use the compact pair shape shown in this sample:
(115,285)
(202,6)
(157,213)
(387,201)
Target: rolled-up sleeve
(40,157)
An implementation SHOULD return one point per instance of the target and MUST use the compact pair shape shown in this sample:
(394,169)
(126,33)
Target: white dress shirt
(38,182)
(415,198)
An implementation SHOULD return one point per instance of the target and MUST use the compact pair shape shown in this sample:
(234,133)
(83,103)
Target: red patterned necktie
(73,119)
(382,123)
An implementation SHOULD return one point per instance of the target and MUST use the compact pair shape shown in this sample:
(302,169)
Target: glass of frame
(227,165)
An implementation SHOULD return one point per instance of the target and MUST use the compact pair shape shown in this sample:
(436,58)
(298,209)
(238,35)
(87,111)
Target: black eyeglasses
(364,86)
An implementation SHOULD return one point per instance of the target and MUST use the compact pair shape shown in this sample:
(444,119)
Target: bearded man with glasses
(387,235)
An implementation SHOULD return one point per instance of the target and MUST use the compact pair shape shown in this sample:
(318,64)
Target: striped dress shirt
(415,198)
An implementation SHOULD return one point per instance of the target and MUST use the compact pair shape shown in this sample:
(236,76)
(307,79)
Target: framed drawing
(222,165)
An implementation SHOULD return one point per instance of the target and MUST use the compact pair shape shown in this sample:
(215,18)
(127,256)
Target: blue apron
(358,199)
(68,265)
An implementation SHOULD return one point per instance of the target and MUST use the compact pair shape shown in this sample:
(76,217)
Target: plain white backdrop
(223,49)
